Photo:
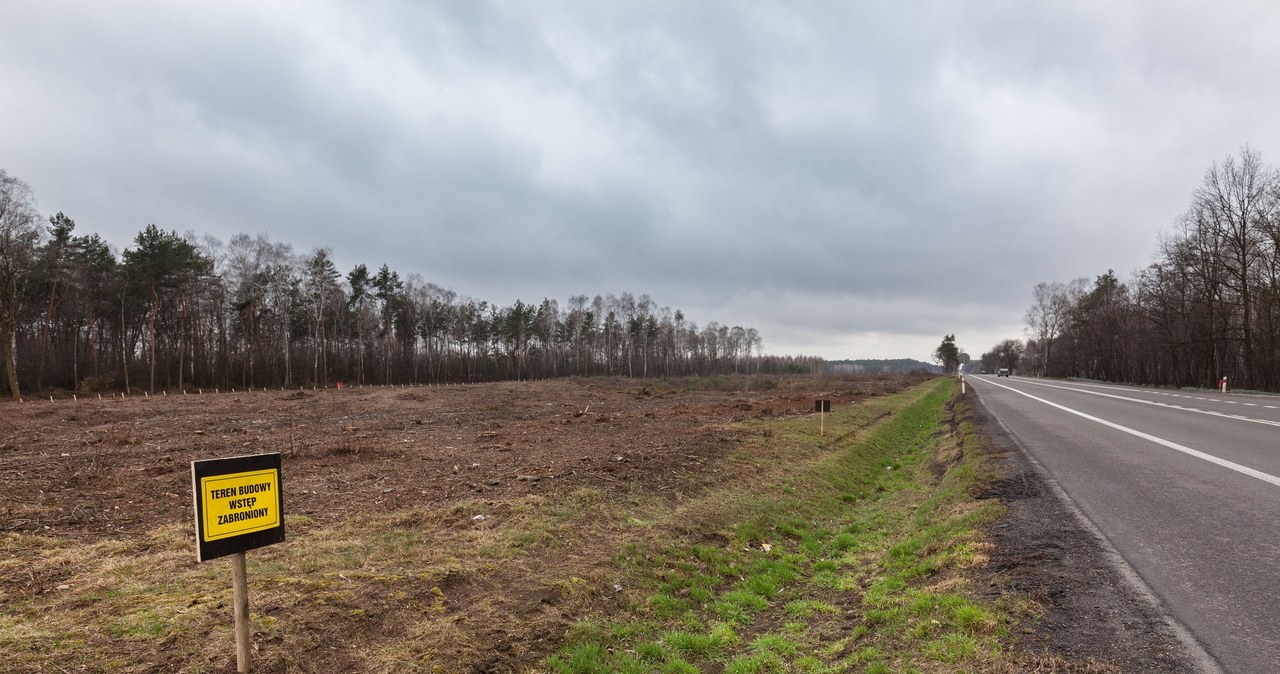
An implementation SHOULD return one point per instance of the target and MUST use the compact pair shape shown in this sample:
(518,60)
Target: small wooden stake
(240,589)
(822,407)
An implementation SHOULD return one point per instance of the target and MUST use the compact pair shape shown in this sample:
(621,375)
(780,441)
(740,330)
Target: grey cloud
(844,177)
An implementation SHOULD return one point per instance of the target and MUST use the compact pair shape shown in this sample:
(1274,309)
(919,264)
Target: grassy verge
(852,559)
(847,552)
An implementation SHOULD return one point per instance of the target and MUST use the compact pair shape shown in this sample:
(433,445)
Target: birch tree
(19,235)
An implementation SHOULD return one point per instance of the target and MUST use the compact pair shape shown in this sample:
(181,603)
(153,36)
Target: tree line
(1007,353)
(881,366)
(175,311)
(1207,307)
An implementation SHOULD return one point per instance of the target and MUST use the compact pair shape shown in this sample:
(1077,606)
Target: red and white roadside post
(1223,385)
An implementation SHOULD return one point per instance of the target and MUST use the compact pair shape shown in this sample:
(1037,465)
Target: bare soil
(95,468)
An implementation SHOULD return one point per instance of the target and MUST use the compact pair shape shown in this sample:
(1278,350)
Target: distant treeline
(874,366)
(1207,307)
(183,311)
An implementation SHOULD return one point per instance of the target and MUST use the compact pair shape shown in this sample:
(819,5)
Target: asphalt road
(1185,486)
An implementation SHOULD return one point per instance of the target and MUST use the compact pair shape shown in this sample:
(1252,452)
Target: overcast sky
(853,179)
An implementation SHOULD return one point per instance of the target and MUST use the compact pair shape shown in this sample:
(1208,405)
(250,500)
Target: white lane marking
(1230,465)
(1153,403)
(1131,389)
(1249,404)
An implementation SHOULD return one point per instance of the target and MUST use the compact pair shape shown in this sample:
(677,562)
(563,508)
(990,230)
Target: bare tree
(1008,353)
(19,235)
(1231,203)
(1047,317)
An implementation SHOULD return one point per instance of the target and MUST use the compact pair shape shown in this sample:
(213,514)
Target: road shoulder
(1097,612)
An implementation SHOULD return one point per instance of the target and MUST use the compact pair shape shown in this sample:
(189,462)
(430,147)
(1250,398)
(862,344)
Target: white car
(1002,372)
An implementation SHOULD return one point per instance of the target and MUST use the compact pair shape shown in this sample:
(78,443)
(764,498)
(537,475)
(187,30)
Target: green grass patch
(861,518)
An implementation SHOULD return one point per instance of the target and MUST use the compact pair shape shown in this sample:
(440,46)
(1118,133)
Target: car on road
(1002,372)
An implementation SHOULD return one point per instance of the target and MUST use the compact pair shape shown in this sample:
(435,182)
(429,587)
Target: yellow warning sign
(239,503)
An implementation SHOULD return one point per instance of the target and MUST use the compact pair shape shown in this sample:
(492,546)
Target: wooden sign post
(239,505)
(240,609)
(822,407)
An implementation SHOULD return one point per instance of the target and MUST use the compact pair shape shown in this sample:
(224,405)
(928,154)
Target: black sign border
(222,547)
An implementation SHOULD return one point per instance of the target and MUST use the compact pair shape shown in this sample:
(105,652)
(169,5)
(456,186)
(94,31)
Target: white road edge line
(1131,389)
(1230,465)
(1211,413)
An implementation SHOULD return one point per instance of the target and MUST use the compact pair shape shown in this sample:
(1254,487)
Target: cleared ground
(93,490)
(93,469)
